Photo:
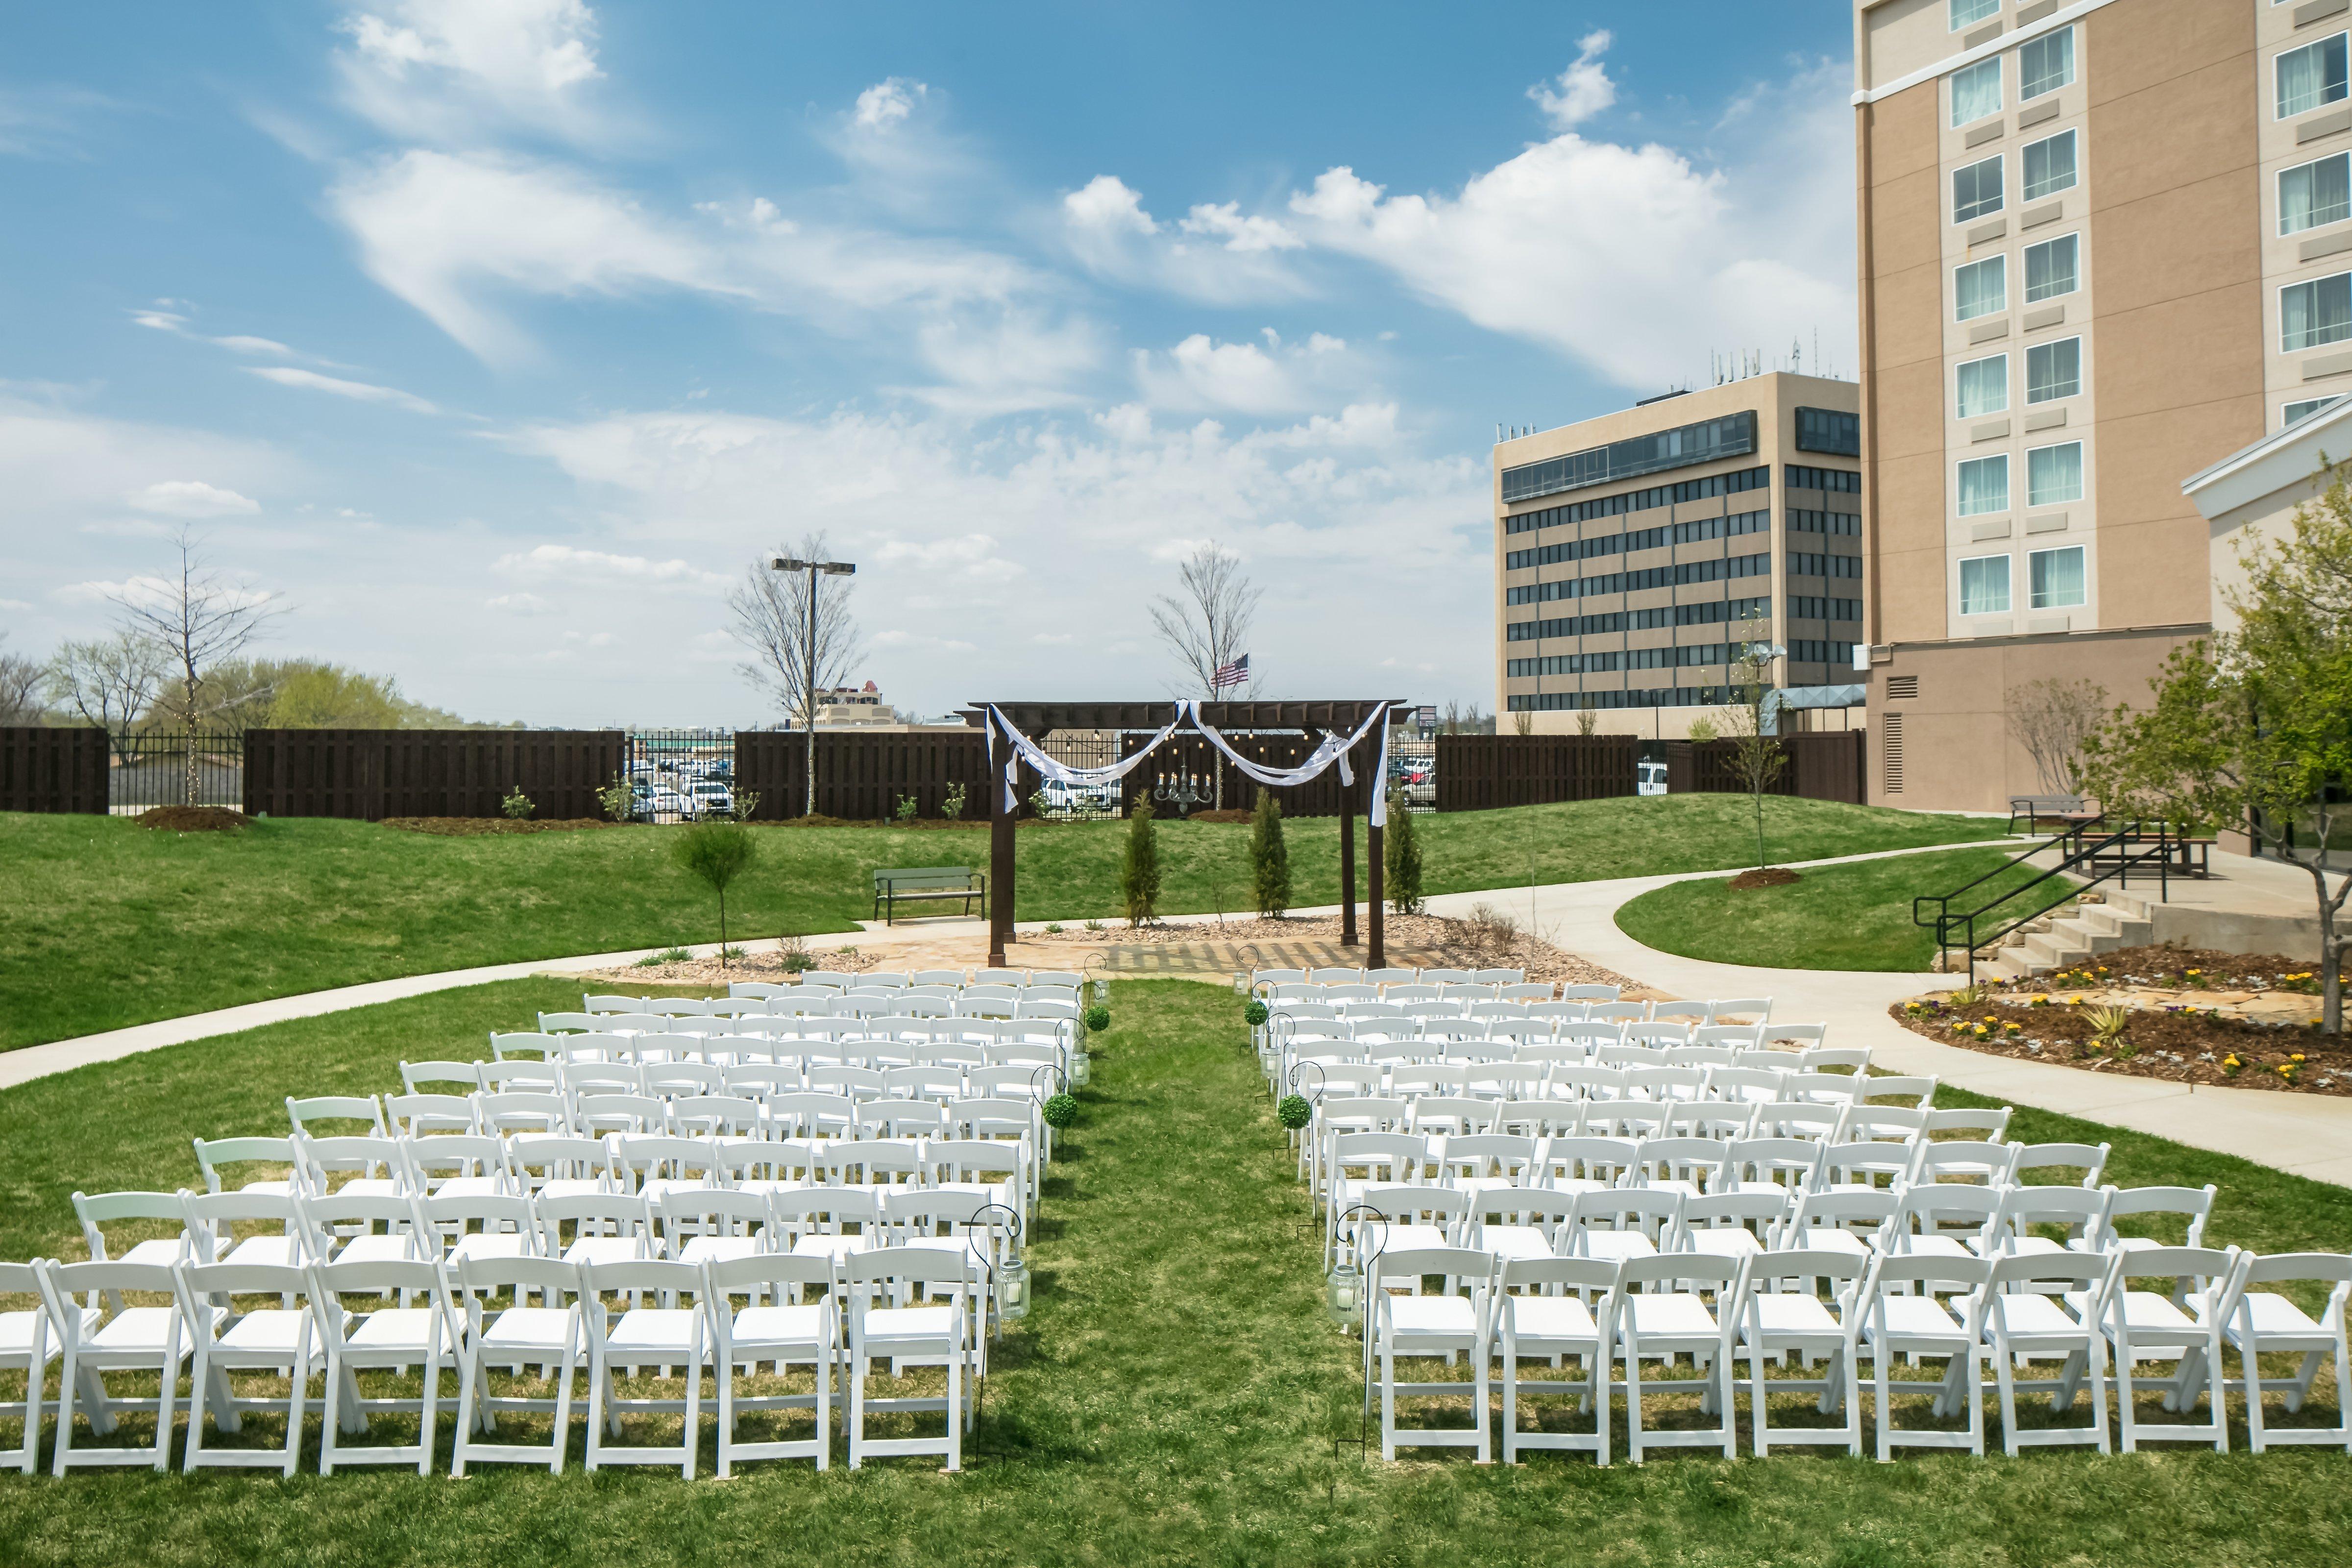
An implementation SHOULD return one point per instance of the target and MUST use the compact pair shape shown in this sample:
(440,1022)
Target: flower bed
(2180,1044)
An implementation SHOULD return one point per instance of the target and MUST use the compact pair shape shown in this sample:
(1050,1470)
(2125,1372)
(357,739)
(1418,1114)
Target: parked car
(709,797)
(1649,778)
(1059,796)
(666,802)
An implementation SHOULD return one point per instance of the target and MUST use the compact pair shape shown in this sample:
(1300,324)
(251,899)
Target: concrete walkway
(2306,1134)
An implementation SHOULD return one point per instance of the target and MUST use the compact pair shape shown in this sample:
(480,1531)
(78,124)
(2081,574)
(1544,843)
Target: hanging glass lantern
(1081,1068)
(1241,983)
(1012,1287)
(1343,1292)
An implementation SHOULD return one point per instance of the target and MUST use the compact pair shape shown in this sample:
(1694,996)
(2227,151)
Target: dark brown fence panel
(860,778)
(1479,772)
(1189,757)
(1824,766)
(53,770)
(370,775)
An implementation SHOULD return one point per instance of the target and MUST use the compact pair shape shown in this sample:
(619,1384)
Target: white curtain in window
(2049,167)
(2316,313)
(1984,386)
(2057,577)
(2053,369)
(2050,267)
(2316,193)
(2307,77)
(1984,585)
(1984,485)
(1967,11)
(2046,64)
(1981,288)
(1976,92)
(2053,474)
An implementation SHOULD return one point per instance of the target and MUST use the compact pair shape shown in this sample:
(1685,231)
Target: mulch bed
(767,966)
(476,826)
(2180,969)
(193,820)
(2183,1046)
(1764,877)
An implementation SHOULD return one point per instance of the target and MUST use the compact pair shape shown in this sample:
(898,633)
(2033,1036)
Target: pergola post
(1348,864)
(1000,853)
(1373,844)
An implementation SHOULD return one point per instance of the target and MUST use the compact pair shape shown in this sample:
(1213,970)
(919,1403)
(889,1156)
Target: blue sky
(498,336)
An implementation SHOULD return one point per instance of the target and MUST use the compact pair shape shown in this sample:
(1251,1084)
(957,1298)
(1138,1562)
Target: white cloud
(1201,374)
(1584,88)
(172,321)
(566,561)
(449,70)
(1104,204)
(1239,232)
(335,386)
(888,102)
(517,603)
(190,497)
(1635,260)
(1108,230)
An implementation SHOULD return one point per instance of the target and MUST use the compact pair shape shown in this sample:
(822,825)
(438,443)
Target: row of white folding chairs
(832,1039)
(2084,1310)
(788,1114)
(1382,978)
(621,1315)
(1512,1001)
(881,1004)
(1383,1024)
(843,979)
(942,1073)
(1514,1088)
(1309,1066)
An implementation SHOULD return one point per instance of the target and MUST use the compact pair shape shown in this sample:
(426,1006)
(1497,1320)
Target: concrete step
(2062,946)
(2112,926)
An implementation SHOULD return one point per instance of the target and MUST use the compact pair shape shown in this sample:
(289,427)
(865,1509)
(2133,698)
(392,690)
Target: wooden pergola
(1035,720)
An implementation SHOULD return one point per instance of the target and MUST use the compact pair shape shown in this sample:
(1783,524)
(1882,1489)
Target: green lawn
(1838,917)
(1173,1399)
(109,924)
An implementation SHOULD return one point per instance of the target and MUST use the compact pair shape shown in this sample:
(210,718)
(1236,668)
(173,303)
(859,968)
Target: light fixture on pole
(808,666)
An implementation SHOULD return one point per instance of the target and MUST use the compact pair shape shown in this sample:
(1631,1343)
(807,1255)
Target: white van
(1649,778)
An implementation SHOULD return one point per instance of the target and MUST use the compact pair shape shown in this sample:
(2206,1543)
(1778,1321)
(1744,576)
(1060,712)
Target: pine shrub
(1269,857)
(1402,852)
(1138,875)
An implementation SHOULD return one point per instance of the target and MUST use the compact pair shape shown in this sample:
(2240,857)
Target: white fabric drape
(1332,749)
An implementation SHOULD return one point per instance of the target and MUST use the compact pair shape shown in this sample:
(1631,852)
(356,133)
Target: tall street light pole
(808,668)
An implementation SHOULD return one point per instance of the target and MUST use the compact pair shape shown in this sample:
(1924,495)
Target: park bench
(2036,809)
(927,884)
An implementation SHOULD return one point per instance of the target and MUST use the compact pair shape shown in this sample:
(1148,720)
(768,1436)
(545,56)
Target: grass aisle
(1172,1400)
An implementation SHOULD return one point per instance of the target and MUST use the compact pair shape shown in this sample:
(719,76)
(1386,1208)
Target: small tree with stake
(1138,875)
(1757,757)
(717,851)
(1269,859)
(1402,850)
(2251,730)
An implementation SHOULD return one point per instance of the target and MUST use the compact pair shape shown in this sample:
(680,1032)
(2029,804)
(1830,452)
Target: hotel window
(1980,288)
(2311,195)
(2307,408)
(2054,578)
(2045,65)
(1967,11)
(2053,474)
(2053,369)
(1984,485)
(2051,270)
(2316,313)
(2307,77)
(1976,92)
(2047,167)
(1975,190)
(1984,585)
(1984,387)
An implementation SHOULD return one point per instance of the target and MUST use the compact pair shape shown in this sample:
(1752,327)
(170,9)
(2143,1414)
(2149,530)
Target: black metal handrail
(2128,846)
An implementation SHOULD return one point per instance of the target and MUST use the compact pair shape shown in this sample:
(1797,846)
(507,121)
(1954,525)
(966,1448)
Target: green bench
(927,884)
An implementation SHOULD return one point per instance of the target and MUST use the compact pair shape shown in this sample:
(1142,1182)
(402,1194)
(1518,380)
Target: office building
(1636,552)
(2103,246)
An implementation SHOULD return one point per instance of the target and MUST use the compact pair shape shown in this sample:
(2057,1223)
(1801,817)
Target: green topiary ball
(1098,1018)
(1060,1112)
(1254,1014)
(1294,1112)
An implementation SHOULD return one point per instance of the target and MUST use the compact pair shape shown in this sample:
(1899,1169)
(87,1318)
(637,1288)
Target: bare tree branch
(1206,623)
(198,619)
(2051,719)
(20,689)
(109,681)
(771,610)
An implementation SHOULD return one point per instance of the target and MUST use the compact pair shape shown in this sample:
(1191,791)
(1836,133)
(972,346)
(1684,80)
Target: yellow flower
(2298,1056)
(2231,1060)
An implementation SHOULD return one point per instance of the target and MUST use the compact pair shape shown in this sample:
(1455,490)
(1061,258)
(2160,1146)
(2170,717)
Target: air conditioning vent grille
(1890,749)
(1902,687)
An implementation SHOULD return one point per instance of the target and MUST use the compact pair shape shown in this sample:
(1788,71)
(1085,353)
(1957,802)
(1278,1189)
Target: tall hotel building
(1637,550)
(2106,262)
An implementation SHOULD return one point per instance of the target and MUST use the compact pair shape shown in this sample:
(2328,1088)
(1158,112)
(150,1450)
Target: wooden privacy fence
(1822,766)
(53,770)
(370,775)
(861,777)
(1189,755)
(1479,772)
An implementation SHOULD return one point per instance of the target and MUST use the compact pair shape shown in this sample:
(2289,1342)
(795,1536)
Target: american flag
(1234,674)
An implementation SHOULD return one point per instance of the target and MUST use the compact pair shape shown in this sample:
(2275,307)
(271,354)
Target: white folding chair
(381,1338)
(1806,1304)
(1905,1315)
(142,1342)
(1449,1322)
(213,1154)
(549,1336)
(2151,1325)
(783,1333)
(97,1210)
(27,1346)
(223,1340)
(938,1332)
(2265,1323)
(707,1225)
(656,1328)
(1663,1313)
(1541,1312)
(363,1108)
(2040,1306)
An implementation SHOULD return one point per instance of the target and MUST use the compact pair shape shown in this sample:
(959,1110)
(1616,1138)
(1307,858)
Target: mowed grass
(1173,1398)
(1856,916)
(108,924)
